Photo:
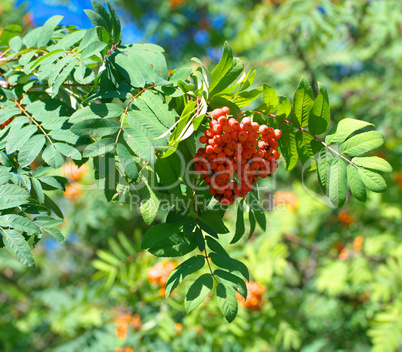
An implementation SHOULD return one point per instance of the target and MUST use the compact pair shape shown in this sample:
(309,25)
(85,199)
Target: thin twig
(126,111)
(319,140)
(32,119)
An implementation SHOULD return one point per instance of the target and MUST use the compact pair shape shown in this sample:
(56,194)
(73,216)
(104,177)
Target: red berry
(209,149)
(223,121)
(217,129)
(203,139)
(277,134)
(263,129)
(217,113)
(226,110)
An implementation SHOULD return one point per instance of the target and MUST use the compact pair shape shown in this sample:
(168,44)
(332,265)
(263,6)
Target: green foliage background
(314,301)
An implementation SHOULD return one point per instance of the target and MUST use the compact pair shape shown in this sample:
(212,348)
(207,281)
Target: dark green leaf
(240,228)
(356,184)
(186,268)
(319,115)
(304,150)
(288,146)
(159,232)
(215,221)
(198,291)
(303,101)
(127,161)
(227,302)
(176,245)
(232,281)
(224,65)
(228,263)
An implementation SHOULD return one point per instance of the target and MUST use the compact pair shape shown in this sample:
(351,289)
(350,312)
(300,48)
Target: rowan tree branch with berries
(81,95)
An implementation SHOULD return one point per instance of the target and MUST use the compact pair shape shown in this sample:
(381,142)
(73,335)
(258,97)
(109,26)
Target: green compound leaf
(186,268)
(95,128)
(355,183)
(198,291)
(372,180)
(336,182)
(270,98)
(12,196)
(213,220)
(31,150)
(233,281)
(159,232)
(303,101)
(284,109)
(19,223)
(362,143)
(344,129)
(305,151)
(234,266)
(176,245)
(139,144)
(18,247)
(53,157)
(373,162)
(288,146)
(48,29)
(227,301)
(224,65)
(319,115)
(240,228)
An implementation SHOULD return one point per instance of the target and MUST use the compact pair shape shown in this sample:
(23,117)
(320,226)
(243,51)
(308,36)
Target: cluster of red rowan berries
(254,296)
(244,148)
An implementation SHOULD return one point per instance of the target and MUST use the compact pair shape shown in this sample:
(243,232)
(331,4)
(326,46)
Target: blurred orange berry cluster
(123,349)
(398,178)
(288,198)
(174,4)
(74,174)
(254,296)
(357,246)
(346,218)
(126,321)
(159,274)
(178,328)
